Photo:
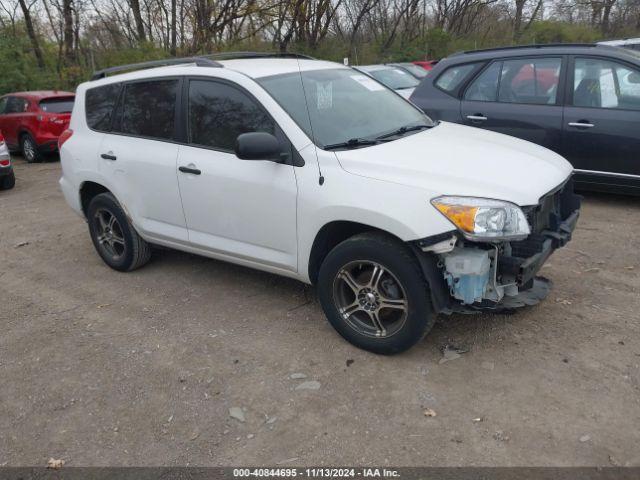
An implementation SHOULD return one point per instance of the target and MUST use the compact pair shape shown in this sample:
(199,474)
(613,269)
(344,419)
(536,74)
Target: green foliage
(20,70)
(559,32)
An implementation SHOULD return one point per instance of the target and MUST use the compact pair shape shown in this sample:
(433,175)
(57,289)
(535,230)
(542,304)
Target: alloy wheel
(370,299)
(28,150)
(109,233)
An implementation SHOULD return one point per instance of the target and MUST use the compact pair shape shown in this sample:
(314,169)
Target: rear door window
(453,77)
(530,80)
(149,109)
(57,105)
(100,103)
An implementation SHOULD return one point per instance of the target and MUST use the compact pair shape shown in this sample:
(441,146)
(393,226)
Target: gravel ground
(105,368)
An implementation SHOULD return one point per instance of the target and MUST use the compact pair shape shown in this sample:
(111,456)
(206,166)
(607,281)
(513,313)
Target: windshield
(415,70)
(343,104)
(394,78)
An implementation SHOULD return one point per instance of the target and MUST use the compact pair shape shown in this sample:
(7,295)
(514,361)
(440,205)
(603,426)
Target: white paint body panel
(267,215)
(246,209)
(453,159)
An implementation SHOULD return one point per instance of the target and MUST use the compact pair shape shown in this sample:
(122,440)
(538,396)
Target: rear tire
(8,181)
(373,292)
(114,238)
(29,149)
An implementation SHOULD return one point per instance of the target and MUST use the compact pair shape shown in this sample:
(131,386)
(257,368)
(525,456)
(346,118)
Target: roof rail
(535,45)
(239,55)
(199,61)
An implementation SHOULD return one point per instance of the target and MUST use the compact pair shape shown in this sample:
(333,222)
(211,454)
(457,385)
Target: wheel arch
(330,235)
(22,131)
(88,191)
(335,232)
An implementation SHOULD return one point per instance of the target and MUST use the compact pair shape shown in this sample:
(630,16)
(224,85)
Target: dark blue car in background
(581,101)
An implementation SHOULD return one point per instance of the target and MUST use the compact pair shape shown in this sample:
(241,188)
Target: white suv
(311,170)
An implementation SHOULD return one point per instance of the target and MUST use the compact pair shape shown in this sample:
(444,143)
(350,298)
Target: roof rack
(518,47)
(199,61)
(241,55)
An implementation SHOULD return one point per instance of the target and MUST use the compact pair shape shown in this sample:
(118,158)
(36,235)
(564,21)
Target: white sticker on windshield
(324,95)
(367,82)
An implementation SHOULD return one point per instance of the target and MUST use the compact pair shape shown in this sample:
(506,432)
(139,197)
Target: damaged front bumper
(467,276)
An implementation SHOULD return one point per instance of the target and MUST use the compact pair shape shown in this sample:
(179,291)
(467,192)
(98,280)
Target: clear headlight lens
(483,218)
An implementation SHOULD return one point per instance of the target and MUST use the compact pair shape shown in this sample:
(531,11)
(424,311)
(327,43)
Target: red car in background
(426,64)
(32,121)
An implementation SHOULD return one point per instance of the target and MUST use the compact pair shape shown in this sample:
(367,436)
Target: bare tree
(26,12)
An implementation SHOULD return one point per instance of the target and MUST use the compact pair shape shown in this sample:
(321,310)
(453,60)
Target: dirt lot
(103,368)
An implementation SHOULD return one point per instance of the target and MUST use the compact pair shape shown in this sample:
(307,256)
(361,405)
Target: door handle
(108,156)
(193,171)
(581,124)
(477,117)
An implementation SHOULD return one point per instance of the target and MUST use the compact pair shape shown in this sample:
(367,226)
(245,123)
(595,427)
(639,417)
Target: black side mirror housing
(258,146)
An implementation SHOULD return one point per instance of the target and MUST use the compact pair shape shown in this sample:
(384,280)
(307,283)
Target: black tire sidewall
(108,202)
(8,181)
(399,260)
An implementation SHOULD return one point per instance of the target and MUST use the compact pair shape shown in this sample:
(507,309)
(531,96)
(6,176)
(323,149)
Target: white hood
(452,159)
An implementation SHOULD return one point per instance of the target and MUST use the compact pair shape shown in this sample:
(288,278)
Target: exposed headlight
(483,218)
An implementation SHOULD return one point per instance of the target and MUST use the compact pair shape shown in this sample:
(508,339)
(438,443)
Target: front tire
(114,238)
(29,149)
(373,292)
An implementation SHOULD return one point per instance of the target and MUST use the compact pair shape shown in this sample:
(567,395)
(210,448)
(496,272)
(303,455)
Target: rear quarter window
(100,103)
(452,77)
(148,109)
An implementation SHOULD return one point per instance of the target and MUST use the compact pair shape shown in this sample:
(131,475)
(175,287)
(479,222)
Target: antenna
(306,104)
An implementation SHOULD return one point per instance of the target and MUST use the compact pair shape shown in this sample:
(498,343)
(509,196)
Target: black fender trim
(440,297)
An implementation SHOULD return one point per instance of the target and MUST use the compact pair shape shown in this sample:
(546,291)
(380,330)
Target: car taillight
(64,136)
(5,163)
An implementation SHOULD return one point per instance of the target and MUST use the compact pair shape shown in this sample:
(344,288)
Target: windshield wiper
(351,143)
(403,130)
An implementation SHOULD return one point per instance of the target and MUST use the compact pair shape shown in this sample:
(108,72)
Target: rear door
(138,157)
(518,97)
(602,120)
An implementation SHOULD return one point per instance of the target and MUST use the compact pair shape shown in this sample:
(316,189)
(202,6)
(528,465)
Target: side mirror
(258,146)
